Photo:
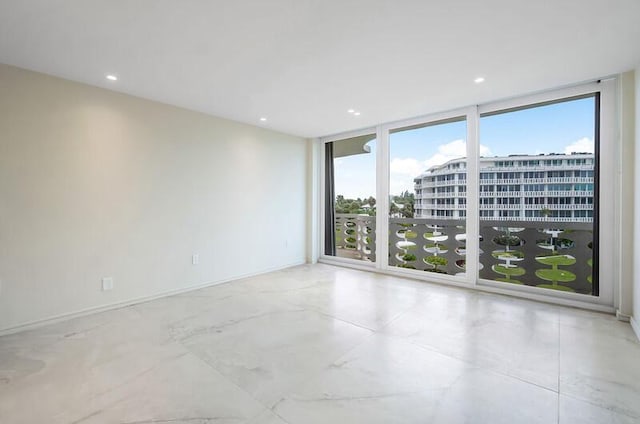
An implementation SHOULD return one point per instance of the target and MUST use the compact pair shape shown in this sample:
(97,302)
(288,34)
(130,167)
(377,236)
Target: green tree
(407,200)
(354,206)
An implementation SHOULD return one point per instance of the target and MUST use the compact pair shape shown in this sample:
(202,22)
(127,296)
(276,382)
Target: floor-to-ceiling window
(538,195)
(428,196)
(513,184)
(350,188)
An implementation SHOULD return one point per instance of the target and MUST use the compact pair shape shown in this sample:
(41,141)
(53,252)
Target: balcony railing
(547,180)
(441,195)
(553,254)
(447,207)
(355,236)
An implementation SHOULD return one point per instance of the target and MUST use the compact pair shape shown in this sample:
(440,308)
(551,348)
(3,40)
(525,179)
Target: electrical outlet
(195,259)
(107,283)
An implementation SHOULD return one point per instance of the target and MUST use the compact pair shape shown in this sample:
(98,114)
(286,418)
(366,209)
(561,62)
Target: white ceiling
(303,63)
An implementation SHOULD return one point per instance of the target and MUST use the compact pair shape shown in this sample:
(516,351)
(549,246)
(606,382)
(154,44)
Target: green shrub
(505,240)
(436,261)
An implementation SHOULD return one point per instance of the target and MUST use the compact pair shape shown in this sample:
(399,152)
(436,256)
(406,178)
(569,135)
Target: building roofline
(547,156)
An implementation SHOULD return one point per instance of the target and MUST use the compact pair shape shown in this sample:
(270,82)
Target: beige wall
(98,184)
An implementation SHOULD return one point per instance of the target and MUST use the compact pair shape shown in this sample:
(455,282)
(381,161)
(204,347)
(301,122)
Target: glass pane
(350,224)
(537,191)
(427,185)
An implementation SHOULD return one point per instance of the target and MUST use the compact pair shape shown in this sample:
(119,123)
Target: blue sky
(557,128)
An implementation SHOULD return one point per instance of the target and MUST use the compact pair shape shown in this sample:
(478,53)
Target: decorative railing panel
(429,245)
(355,236)
(547,254)
(553,255)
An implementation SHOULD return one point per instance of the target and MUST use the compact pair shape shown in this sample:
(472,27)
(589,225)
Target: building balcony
(495,206)
(562,167)
(444,207)
(440,195)
(506,206)
(563,207)
(568,193)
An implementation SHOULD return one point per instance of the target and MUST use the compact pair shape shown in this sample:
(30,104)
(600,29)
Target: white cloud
(404,170)
(446,152)
(584,145)
(408,166)
(453,150)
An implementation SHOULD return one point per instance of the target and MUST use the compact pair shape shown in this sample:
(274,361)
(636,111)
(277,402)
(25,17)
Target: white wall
(635,320)
(626,169)
(99,184)
(313,178)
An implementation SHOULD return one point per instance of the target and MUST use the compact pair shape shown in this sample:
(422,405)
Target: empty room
(315,212)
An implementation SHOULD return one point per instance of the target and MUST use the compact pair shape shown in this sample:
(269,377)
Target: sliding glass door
(350,204)
(515,185)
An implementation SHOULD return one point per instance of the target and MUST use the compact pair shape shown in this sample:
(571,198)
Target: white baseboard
(121,304)
(622,317)
(635,326)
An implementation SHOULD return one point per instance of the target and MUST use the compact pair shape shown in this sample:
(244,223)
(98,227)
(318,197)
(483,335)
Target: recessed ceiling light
(478,80)
(263,119)
(351,111)
(112,78)
(357,113)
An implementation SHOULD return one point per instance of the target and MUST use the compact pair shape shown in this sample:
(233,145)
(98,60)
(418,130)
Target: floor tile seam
(315,309)
(473,365)
(274,412)
(193,355)
(100,410)
(320,371)
(160,360)
(148,370)
(397,317)
(278,291)
(606,408)
(363,340)
(328,315)
(385,324)
(125,383)
(339,356)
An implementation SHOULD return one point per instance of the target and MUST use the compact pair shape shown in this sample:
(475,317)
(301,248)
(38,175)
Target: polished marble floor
(322,344)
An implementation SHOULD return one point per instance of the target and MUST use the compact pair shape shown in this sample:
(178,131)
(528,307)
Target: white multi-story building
(553,187)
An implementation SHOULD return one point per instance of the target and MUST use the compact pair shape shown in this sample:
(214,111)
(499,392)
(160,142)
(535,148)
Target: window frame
(609,224)
(356,263)
(609,177)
